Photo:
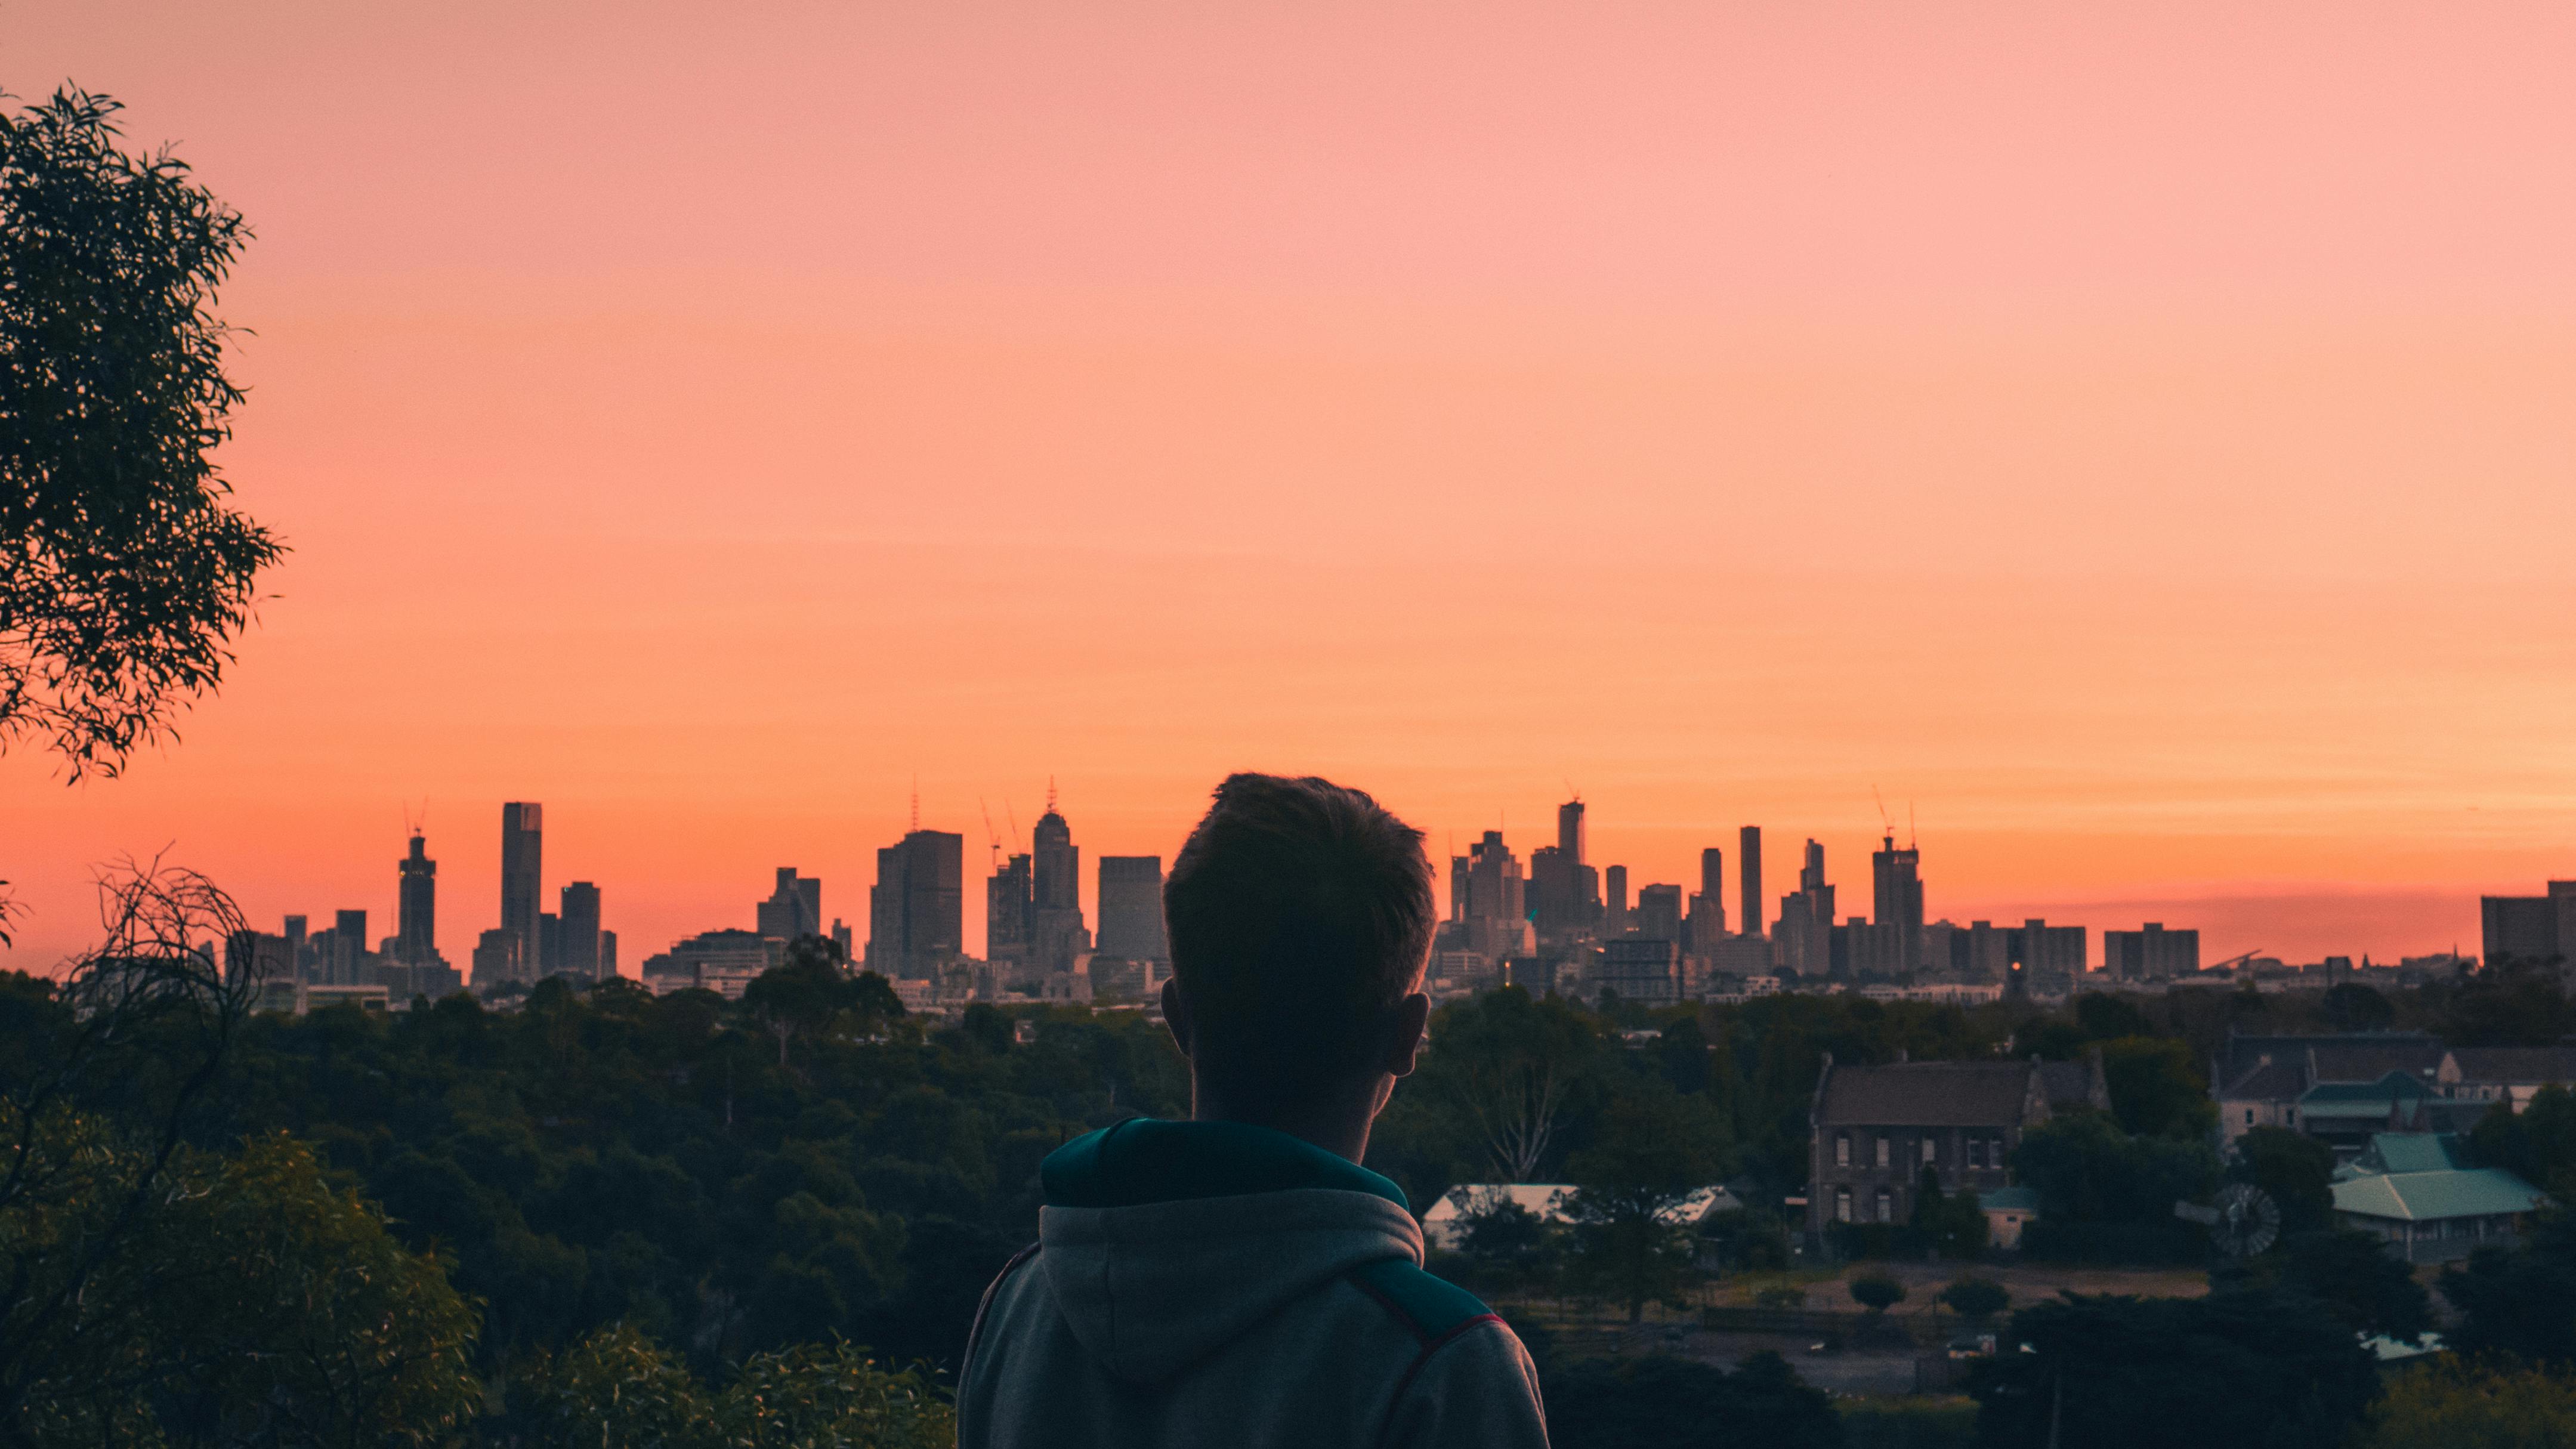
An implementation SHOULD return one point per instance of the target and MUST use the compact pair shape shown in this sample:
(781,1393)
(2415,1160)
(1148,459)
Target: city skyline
(1727,411)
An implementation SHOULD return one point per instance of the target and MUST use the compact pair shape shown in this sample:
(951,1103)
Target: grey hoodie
(1213,1283)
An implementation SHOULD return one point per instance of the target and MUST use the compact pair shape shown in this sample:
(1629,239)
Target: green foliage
(2108,1196)
(618,1387)
(2353,1274)
(258,1304)
(2519,1300)
(2450,1403)
(2174,1373)
(2355,1007)
(2156,1090)
(2296,1169)
(1976,1297)
(2538,1143)
(2104,1017)
(123,575)
(2509,1003)
(1877,1292)
(1617,1403)
(1951,1224)
(1656,1149)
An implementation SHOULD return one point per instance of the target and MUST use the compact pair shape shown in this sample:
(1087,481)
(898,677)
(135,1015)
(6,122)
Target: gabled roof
(1926,1094)
(2417,1197)
(2371,1061)
(2531,1066)
(2410,1152)
(2068,1084)
(2270,1082)
(2009,1200)
(1546,1201)
(2362,1099)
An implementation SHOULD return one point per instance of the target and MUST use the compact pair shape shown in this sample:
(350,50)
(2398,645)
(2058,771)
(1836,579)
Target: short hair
(1299,912)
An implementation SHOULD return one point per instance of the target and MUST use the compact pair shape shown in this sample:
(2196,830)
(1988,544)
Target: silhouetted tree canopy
(124,575)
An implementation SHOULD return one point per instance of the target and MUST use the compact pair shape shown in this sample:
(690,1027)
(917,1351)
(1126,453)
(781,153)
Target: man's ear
(1408,1021)
(1176,1015)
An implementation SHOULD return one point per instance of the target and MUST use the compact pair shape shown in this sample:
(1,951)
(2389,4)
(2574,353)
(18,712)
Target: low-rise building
(1875,1129)
(2418,1194)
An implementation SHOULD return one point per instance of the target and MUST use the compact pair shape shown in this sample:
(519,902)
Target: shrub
(1976,1297)
(1877,1292)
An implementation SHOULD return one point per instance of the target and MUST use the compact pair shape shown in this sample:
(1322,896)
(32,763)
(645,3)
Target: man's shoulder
(1429,1307)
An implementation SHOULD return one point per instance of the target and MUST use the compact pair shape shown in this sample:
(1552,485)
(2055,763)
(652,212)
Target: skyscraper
(1614,901)
(916,908)
(1896,901)
(348,947)
(1659,913)
(1056,933)
(794,908)
(1131,908)
(1569,830)
(1489,897)
(1007,903)
(578,935)
(1564,892)
(1806,937)
(416,905)
(522,872)
(1748,862)
(1708,906)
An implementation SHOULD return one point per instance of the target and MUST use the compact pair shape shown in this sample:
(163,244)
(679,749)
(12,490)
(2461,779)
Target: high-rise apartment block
(1131,908)
(2150,953)
(1009,897)
(1488,901)
(416,905)
(1804,938)
(794,907)
(1614,902)
(1707,923)
(522,873)
(916,907)
(1748,863)
(1659,914)
(577,934)
(2529,929)
(1896,904)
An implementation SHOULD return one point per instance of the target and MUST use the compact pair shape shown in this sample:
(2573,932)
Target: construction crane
(2233,962)
(1884,819)
(991,834)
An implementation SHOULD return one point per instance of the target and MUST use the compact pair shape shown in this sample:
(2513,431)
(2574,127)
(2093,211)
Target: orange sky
(2136,435)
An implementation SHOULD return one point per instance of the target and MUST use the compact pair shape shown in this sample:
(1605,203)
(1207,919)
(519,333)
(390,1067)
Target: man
(1239,1279)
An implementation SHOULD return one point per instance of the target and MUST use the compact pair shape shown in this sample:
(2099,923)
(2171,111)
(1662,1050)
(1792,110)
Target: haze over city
(719,431)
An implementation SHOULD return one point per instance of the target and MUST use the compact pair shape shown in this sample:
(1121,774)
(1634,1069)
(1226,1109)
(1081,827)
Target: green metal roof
(2009,1199)
(2413,1152)
(2429,1196)
(2383,1091)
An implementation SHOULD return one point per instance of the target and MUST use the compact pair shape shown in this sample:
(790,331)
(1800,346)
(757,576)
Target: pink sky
(2136,436)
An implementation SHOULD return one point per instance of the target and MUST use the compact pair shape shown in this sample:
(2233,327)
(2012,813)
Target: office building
(1131,909)
(1614,902)
(1569,830)
(2150,953)
(1058,937)
(1639,968)
(1804,937)
(2041,948)
(2531,929)
(1564,891)
(1009,897)
(1659,913)
(1488,902)
(607,955)
(1706,925)
(1896,904)
(1748,864)
(522,873)
(349,953)
(577,935)
(297,944)
(916,908)
(495,959)
(416,905)
(794,908)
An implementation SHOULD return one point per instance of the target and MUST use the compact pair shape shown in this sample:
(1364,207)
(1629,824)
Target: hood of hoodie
(1164,1241)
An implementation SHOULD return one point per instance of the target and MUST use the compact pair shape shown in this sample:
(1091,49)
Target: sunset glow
(2135,441)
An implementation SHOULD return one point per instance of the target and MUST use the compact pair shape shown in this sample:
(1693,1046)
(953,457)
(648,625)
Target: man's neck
(1341,1129)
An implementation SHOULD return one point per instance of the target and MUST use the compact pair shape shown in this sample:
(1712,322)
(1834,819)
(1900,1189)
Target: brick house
(1874,1129)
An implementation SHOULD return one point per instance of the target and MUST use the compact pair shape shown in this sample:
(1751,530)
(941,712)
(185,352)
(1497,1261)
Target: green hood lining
(1144,1160)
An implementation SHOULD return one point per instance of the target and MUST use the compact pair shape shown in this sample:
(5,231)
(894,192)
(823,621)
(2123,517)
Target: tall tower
(579,933)
(1569,830)
(1056,933)
(1896,899)
(1748,863)
(416,905)
(1131,908)
(523,839)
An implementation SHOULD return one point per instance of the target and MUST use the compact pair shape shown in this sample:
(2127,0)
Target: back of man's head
(1300,913)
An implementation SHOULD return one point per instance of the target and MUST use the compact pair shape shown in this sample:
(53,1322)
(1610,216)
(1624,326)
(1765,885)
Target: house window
(1842,1204)
(1929,1155)
(1995,1151)
(1882,1149)
(1886,1207)
(2293,1116)
(2249,1116)
(1842,1154)
(1976,1153)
